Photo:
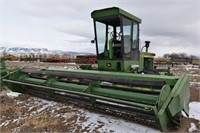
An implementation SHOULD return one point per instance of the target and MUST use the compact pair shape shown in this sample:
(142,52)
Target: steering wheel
(118,36)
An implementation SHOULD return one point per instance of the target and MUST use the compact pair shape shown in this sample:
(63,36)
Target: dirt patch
(28,114)
(194,94)
(185,125)
(42,122)
(39,65)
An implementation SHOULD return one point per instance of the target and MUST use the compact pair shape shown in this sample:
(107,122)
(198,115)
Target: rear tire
(150,71)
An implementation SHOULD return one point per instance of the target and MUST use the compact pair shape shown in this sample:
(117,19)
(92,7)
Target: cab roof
(97,14)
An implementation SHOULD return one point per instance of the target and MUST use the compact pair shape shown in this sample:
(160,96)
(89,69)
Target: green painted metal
(111,12)
(3,69)
(127,65)
(22,84)
(5,73)
(181,95)
(110,65)
(110,48)
(114,47)
(114,57)
(165,102)
(116,65)
(170,80)
(2,64)
(164,94)
(97,90)
(146,60)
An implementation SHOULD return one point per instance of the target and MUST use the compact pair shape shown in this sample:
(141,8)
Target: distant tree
(184,55)
(57,56)
(44,56)
(65,56)
(4,53)
(174,55)
(193,57)
(166,55)
(32,55)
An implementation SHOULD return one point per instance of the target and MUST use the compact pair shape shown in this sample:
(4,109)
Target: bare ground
(20,114)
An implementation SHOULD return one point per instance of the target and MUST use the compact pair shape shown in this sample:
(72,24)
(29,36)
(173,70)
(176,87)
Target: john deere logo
(108,64)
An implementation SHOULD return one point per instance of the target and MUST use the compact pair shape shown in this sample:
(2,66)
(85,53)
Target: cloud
(160,45)
(78,28)
(178,20)
(171,26)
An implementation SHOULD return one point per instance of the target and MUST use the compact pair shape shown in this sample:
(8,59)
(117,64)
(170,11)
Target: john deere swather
(125,79)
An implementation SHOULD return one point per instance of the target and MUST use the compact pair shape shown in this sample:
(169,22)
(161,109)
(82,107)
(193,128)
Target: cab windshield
(116,38)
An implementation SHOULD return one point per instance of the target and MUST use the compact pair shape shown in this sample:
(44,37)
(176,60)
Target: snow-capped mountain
(21,51)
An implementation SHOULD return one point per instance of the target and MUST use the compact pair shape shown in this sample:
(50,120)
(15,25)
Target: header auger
(126,78)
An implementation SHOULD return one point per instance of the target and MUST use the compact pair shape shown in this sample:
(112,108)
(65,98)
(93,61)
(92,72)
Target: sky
(170,25)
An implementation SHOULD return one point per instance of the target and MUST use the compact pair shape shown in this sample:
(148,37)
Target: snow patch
(109,124)
(194,75)
(194,110)
(43,103)
(192,67)
(5,123)
(13,94)
(192,128)
(192,83)
(72,63)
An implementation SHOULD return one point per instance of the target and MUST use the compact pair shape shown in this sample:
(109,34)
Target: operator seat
(117,47)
